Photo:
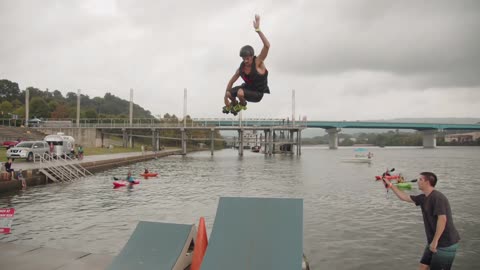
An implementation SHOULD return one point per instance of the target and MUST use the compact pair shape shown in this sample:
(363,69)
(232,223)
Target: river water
(349,220)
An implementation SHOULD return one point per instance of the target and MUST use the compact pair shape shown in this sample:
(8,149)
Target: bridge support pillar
(124,138)
(299,142)
(184,141)
(212,141)
(154,137)
(240,142)
(130,139)
(270,142)
(333,138)
(429,138)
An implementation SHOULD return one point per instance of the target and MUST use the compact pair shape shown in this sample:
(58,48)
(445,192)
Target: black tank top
(254,80)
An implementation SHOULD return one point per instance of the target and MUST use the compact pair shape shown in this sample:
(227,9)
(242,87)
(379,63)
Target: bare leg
(241,96)
(226,98)
(229,99)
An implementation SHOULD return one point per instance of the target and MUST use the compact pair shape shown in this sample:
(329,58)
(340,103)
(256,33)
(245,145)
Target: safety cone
(200,245)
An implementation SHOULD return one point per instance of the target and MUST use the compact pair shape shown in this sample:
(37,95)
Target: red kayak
(122,183)
(388,177)
(150,174)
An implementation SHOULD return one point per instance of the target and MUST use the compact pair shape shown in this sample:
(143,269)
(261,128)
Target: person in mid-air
(254,74)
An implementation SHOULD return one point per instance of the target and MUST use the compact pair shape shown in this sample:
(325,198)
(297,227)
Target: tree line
(390,138)
(53,105)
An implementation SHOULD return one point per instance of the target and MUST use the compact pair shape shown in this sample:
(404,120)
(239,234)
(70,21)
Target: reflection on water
(349,222)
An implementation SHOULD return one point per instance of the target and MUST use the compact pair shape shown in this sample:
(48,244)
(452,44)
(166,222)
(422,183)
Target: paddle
(115,178)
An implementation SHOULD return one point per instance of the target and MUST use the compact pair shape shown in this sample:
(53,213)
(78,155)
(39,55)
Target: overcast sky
(346,60)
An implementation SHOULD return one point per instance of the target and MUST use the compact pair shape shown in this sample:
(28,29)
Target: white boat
(361,156)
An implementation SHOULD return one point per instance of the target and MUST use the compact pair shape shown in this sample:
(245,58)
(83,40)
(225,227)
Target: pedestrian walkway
(91,158)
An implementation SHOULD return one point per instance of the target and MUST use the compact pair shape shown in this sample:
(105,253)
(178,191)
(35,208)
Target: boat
(404,185)
(362,155)
(150,174)
(388,177)
(256,148)
(122,183)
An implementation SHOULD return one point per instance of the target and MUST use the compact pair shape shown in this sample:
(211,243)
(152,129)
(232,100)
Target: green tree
(60,112)
(5,108)
(9,90)
(39,108)
(90,113)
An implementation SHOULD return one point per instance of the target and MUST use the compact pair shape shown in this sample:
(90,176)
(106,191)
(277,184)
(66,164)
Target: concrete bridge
(429,130)
(93,130)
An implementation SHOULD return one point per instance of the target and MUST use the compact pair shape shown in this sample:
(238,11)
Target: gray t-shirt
(437,204)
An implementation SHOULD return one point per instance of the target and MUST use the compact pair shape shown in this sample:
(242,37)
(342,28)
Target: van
(62,145)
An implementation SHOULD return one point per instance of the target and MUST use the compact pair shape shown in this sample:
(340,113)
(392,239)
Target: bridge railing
(163,123)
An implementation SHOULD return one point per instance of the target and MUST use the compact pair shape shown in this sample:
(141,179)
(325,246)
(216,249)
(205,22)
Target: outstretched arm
(400,194)
(233,80)
(266,45)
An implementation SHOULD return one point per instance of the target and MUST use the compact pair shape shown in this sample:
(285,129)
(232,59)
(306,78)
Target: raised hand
(256,22)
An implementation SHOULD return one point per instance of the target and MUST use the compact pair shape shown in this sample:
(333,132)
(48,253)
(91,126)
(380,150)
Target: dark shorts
(249,94)
(9,170)
(442,259)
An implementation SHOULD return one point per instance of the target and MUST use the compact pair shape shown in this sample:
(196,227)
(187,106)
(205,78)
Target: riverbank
(94,163)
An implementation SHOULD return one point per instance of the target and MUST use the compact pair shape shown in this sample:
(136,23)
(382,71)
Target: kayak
(122,183)
(388,177)
(404,185)
(149,174)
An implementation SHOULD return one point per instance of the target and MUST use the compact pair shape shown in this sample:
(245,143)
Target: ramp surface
(153,245)
(256,234)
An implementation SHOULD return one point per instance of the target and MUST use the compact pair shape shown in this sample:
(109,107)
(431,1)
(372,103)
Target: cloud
(434,39)
(345,59)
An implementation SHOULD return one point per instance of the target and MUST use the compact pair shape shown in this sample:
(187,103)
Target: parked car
(27,150)
(9,144)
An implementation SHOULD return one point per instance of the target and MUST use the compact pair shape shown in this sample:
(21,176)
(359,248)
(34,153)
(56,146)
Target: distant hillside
(52,104)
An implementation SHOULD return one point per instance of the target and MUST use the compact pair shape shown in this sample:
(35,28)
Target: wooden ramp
(256,234)
(155,245)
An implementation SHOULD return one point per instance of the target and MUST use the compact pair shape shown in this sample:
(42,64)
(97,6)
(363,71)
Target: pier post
(184,141)
(154,133)
(299,142)
(333,138)
(124,138)
(212,141)
(130,139)
(240,142)
(429,138)
(270,141)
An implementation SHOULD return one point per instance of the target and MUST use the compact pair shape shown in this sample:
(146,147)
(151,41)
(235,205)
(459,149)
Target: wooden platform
(21,257)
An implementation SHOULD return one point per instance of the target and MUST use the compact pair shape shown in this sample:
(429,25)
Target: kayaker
(442,236)
(146,171)
(130,178)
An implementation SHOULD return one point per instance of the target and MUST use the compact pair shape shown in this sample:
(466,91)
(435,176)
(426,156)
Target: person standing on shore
(442,236)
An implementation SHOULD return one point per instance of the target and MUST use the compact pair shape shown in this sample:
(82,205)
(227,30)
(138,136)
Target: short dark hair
(430,177)
(247,50)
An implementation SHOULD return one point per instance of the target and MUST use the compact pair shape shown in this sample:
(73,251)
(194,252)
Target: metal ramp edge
(256,234)
(157,245)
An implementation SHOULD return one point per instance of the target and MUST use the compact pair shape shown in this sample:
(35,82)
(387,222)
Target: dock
(23,257)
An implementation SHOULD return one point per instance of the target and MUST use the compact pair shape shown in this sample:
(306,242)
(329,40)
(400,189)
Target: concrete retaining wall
(34,177)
